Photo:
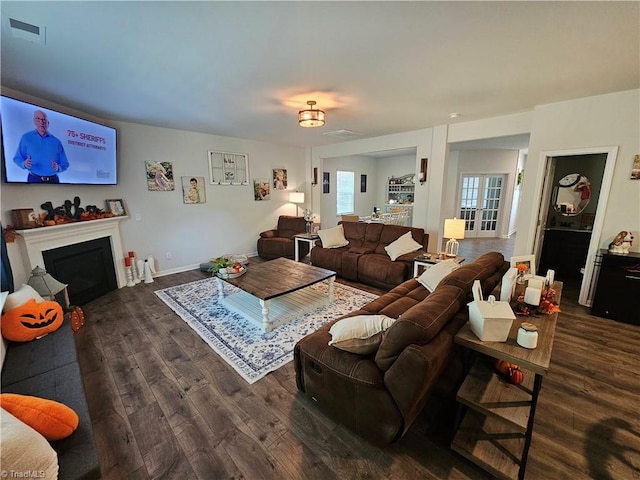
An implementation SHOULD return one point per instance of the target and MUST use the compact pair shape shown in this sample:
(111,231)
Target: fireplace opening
(87,268)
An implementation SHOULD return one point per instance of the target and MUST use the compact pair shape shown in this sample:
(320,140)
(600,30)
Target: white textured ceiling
(244,69)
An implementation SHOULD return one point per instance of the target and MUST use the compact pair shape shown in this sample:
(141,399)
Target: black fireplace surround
(87,268)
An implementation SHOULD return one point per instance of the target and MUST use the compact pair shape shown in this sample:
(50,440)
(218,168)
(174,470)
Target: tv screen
(40,145)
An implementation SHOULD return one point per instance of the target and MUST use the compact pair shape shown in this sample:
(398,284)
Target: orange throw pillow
(51,419)
(31,320)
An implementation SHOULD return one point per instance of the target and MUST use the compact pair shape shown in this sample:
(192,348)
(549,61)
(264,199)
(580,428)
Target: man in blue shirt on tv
(41,153)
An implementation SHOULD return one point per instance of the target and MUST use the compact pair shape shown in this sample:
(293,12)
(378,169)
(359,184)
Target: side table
(303,237)
(430,259)
(497,428)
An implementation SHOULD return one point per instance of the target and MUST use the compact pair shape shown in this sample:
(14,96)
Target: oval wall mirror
(572,194)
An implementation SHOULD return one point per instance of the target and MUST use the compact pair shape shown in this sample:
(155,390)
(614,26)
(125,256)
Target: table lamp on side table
(453,230)
(297,198)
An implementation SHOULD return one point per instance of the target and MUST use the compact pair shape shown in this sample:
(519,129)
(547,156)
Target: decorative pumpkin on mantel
(28,316)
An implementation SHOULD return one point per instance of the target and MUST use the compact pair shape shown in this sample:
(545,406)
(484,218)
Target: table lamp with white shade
(297,198)
(454,231)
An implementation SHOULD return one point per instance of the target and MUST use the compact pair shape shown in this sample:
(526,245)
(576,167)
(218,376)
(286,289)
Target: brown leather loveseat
(378,396)
(364,259)
(278,242)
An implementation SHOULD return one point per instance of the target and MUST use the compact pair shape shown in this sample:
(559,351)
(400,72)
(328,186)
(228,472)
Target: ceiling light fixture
(312,117)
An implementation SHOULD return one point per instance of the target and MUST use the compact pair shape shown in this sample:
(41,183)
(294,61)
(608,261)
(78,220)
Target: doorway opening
(480,204)
(568,232)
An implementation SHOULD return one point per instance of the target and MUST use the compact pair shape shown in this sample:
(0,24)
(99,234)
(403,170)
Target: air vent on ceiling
(344,133)
(27,31)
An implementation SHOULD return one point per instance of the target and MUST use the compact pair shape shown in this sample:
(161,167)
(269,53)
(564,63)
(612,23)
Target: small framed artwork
(116,207)
(193,190)
(160,176)
(279,179)
(363,183)
(325,182)
(635,168)
(261,189)
(529,261)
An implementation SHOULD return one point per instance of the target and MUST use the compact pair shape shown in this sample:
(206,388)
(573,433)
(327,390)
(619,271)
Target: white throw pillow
(22,449)
(20,297)
(404,244)
(360,334)
(333,237)
(433,275)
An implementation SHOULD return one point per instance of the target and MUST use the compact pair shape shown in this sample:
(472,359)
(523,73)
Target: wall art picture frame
(325,182)
(261,189)
(193,191)
(635,168)
(279,178)
(528,260)
(363,184)
(228,168)
(116,206)
(160,176)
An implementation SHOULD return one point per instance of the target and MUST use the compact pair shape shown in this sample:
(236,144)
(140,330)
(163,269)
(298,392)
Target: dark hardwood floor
(164,405)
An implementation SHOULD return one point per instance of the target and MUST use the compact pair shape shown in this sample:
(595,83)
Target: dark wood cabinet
(618,289)
(564,251)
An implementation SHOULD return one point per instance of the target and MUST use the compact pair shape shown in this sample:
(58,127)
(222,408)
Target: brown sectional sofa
(379,396)
(364,259)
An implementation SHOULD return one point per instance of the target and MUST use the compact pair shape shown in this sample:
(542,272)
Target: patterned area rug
(241,342)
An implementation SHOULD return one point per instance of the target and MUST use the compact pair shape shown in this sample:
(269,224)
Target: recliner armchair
(279,242)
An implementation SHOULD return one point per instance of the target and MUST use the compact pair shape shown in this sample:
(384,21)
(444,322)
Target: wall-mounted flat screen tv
(40,145)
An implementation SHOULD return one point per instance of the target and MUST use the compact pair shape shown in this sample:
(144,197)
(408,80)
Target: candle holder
(140,271)
(130,282)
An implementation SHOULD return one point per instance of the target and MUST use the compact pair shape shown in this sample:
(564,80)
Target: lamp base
(451,248)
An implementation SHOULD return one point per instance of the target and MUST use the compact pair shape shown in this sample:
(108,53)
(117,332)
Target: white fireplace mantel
(34,241)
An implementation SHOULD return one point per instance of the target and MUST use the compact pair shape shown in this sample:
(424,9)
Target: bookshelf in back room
(399,196)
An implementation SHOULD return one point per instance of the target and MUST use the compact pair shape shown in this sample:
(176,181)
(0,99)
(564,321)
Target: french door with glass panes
(480,203)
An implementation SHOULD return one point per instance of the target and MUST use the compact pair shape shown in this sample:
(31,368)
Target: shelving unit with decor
(497,427)
(400,195)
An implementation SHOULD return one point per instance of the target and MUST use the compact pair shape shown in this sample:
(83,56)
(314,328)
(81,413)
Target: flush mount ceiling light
(312,117)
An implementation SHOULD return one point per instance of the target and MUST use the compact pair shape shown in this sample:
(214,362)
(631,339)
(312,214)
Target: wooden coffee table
(275,292)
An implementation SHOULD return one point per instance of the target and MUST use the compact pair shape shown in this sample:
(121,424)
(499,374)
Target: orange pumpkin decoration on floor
(31,320)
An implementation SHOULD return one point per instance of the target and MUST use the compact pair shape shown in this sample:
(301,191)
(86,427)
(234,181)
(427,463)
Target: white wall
(378,171)
(600,121)
(363,202)
(422,141)
(229,222)
(515,203)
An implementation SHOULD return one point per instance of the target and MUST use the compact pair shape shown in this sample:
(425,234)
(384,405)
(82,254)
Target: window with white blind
(345,192)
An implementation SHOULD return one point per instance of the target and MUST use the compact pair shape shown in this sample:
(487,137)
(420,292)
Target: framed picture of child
(193,190)
(279,179)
